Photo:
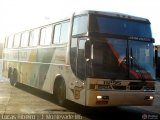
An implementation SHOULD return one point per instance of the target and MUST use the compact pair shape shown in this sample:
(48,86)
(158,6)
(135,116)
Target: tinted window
(104,24)
(81,60)
(80,25)
(73,55)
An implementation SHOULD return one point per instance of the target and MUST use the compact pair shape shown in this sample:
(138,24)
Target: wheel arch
(57,80)
(59,90)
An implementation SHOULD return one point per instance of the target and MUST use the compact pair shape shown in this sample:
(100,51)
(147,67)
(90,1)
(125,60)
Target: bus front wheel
(60,91)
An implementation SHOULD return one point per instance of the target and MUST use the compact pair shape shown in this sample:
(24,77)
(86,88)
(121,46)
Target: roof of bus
(113,14)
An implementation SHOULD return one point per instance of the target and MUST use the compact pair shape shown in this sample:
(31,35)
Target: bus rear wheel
(9,72)
(14,77)
(60,91)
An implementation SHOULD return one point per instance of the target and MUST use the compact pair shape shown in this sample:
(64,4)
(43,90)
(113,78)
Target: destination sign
(140,38)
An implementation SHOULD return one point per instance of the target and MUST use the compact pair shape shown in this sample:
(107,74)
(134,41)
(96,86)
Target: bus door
(77,59)
(81,62)
(78,66)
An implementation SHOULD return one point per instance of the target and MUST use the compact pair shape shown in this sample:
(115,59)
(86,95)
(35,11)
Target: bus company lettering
(76,91)
(112,83)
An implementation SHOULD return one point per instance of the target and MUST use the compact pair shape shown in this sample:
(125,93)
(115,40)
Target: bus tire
(14,77)
(60,91)
(9,72)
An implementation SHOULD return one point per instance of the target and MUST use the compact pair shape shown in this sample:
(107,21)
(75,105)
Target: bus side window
(25,38)
(46,35)
(64,32)
(17,39)
(80,25)
(6,42)
(57,33)
(10,41)
(61,33)
(34,37)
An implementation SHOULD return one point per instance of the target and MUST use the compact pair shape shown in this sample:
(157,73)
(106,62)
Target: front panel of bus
(114,58)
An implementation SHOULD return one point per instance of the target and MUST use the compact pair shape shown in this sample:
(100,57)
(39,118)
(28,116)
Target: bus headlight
(149,98)
(101,100)
(99,97)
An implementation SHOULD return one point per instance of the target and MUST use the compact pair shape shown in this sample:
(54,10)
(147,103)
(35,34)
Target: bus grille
(134,87)
(119,87)
(141,86)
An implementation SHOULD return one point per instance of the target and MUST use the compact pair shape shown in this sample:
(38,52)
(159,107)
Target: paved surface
(18,101)
(14,103)
(156,104)
(13,100)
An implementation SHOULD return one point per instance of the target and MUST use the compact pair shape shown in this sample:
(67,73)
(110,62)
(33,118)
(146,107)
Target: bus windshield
(105,24)
(120,57)
(115,59)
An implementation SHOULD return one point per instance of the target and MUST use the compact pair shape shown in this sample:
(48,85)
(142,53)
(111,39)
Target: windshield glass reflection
(117,59)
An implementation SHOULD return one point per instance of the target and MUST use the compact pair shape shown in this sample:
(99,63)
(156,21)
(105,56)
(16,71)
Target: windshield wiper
(127,62)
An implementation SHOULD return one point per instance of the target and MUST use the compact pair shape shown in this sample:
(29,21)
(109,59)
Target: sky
(18,15)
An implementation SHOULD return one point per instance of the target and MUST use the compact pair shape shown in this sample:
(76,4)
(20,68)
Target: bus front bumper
(118,98)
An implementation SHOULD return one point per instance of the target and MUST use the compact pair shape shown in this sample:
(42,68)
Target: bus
(92,58)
